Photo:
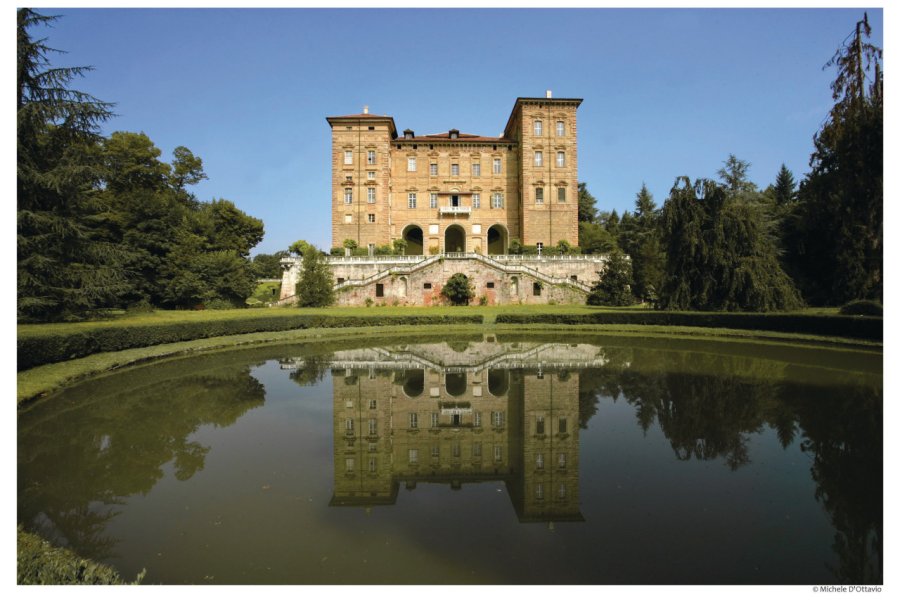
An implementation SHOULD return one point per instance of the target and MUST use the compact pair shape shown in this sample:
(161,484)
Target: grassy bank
(41,563)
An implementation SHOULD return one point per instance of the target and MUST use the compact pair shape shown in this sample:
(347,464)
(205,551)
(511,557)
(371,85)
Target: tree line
(725,244)
(103,222)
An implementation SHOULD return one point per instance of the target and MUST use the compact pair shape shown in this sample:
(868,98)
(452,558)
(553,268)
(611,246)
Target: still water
(595,460)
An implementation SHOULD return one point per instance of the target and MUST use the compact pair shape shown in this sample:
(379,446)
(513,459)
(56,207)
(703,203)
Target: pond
(470,459)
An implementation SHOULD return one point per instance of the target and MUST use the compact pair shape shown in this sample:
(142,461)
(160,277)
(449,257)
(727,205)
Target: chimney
(549,93)
(366,109)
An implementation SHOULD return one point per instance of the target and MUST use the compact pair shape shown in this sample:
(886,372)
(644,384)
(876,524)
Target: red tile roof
(463,137)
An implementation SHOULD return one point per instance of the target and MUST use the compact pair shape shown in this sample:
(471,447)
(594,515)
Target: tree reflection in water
(77,464)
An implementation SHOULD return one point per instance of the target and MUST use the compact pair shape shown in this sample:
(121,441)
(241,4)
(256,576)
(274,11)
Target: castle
(456,200)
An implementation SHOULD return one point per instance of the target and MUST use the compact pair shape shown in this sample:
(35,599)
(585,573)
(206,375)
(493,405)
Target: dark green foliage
(587,205)
(104,223)
(834,238)
(639,238)
(268,266)
(595,239)
(316,285)
(863,307)
(733,176)
(458,290)
(614,287)
(867,328)
(40,348)
(785,188)
(65,268)
(515,246)
(721,253)
(40,563)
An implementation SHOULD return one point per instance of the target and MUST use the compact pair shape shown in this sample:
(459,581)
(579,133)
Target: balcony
(455,210)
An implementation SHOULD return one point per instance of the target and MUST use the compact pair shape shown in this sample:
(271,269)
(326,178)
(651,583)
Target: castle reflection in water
(458,413)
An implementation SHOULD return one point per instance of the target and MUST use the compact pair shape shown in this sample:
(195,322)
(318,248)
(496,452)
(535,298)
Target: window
(454,450)
(413,456)
(540,245)
(379,290)
(349,464)
(434,419)
(370,157)
(432,169)
(538,158)
(561,194)
(476,450)
(539,426)
(411,164)
(413,420)
(370,195)
(560,129)
(536,289)
(371,128)
(498,452)
(373,404)
(539,460)
(433,200)
(476,200)
(340,280)
(371,218)
(490,285)
(497,418)
(411,200)
(539,491)
(373,464)
(348,218)
(496,166)
(454,170)
(562,490)
(373,447)
(373,427)
(348,157)
(348,425)
(370,175)
(538,128)
(562,460)
(497,200)
(348,195)
(538,195)
(563,425)
(560,159)
(477,419)
(435,451)
(426,286)
(476,169)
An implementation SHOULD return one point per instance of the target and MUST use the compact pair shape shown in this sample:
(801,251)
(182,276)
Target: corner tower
(360,178)
(546,130)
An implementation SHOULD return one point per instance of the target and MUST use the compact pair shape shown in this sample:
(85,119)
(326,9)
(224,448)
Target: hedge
(867,328)
(41,348)
(40,563)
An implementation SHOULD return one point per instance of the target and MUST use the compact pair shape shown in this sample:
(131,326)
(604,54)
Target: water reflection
(530,414)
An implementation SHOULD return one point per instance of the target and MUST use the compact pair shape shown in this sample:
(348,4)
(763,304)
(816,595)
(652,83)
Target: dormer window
(408,134)
(454,134)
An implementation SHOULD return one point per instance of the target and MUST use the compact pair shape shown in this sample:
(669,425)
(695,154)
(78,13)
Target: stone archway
(497,239)
(455,239)
(414,238)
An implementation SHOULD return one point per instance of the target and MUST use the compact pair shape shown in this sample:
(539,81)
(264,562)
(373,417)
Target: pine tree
(65,268)
(785,187)
(587,204)
(835,235)
(614,285)
(733,175)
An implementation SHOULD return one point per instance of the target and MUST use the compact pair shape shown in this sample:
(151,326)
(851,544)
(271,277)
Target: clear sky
(667,92)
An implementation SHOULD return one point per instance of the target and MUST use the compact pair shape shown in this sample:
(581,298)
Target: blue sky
(667,92)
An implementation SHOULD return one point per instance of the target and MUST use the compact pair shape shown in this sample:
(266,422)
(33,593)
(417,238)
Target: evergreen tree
(65,269)
(587,204)
(721,253)
(835,235)
(614,286)
(785,187)
(458,290)
(316,285)
(733,175)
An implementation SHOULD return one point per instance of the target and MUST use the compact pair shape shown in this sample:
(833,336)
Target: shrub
(863,307)
(458,290)
(316,285)
(515,246)
(483,301)
(49,346)
(400,247)
(40,563)
(433,250)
